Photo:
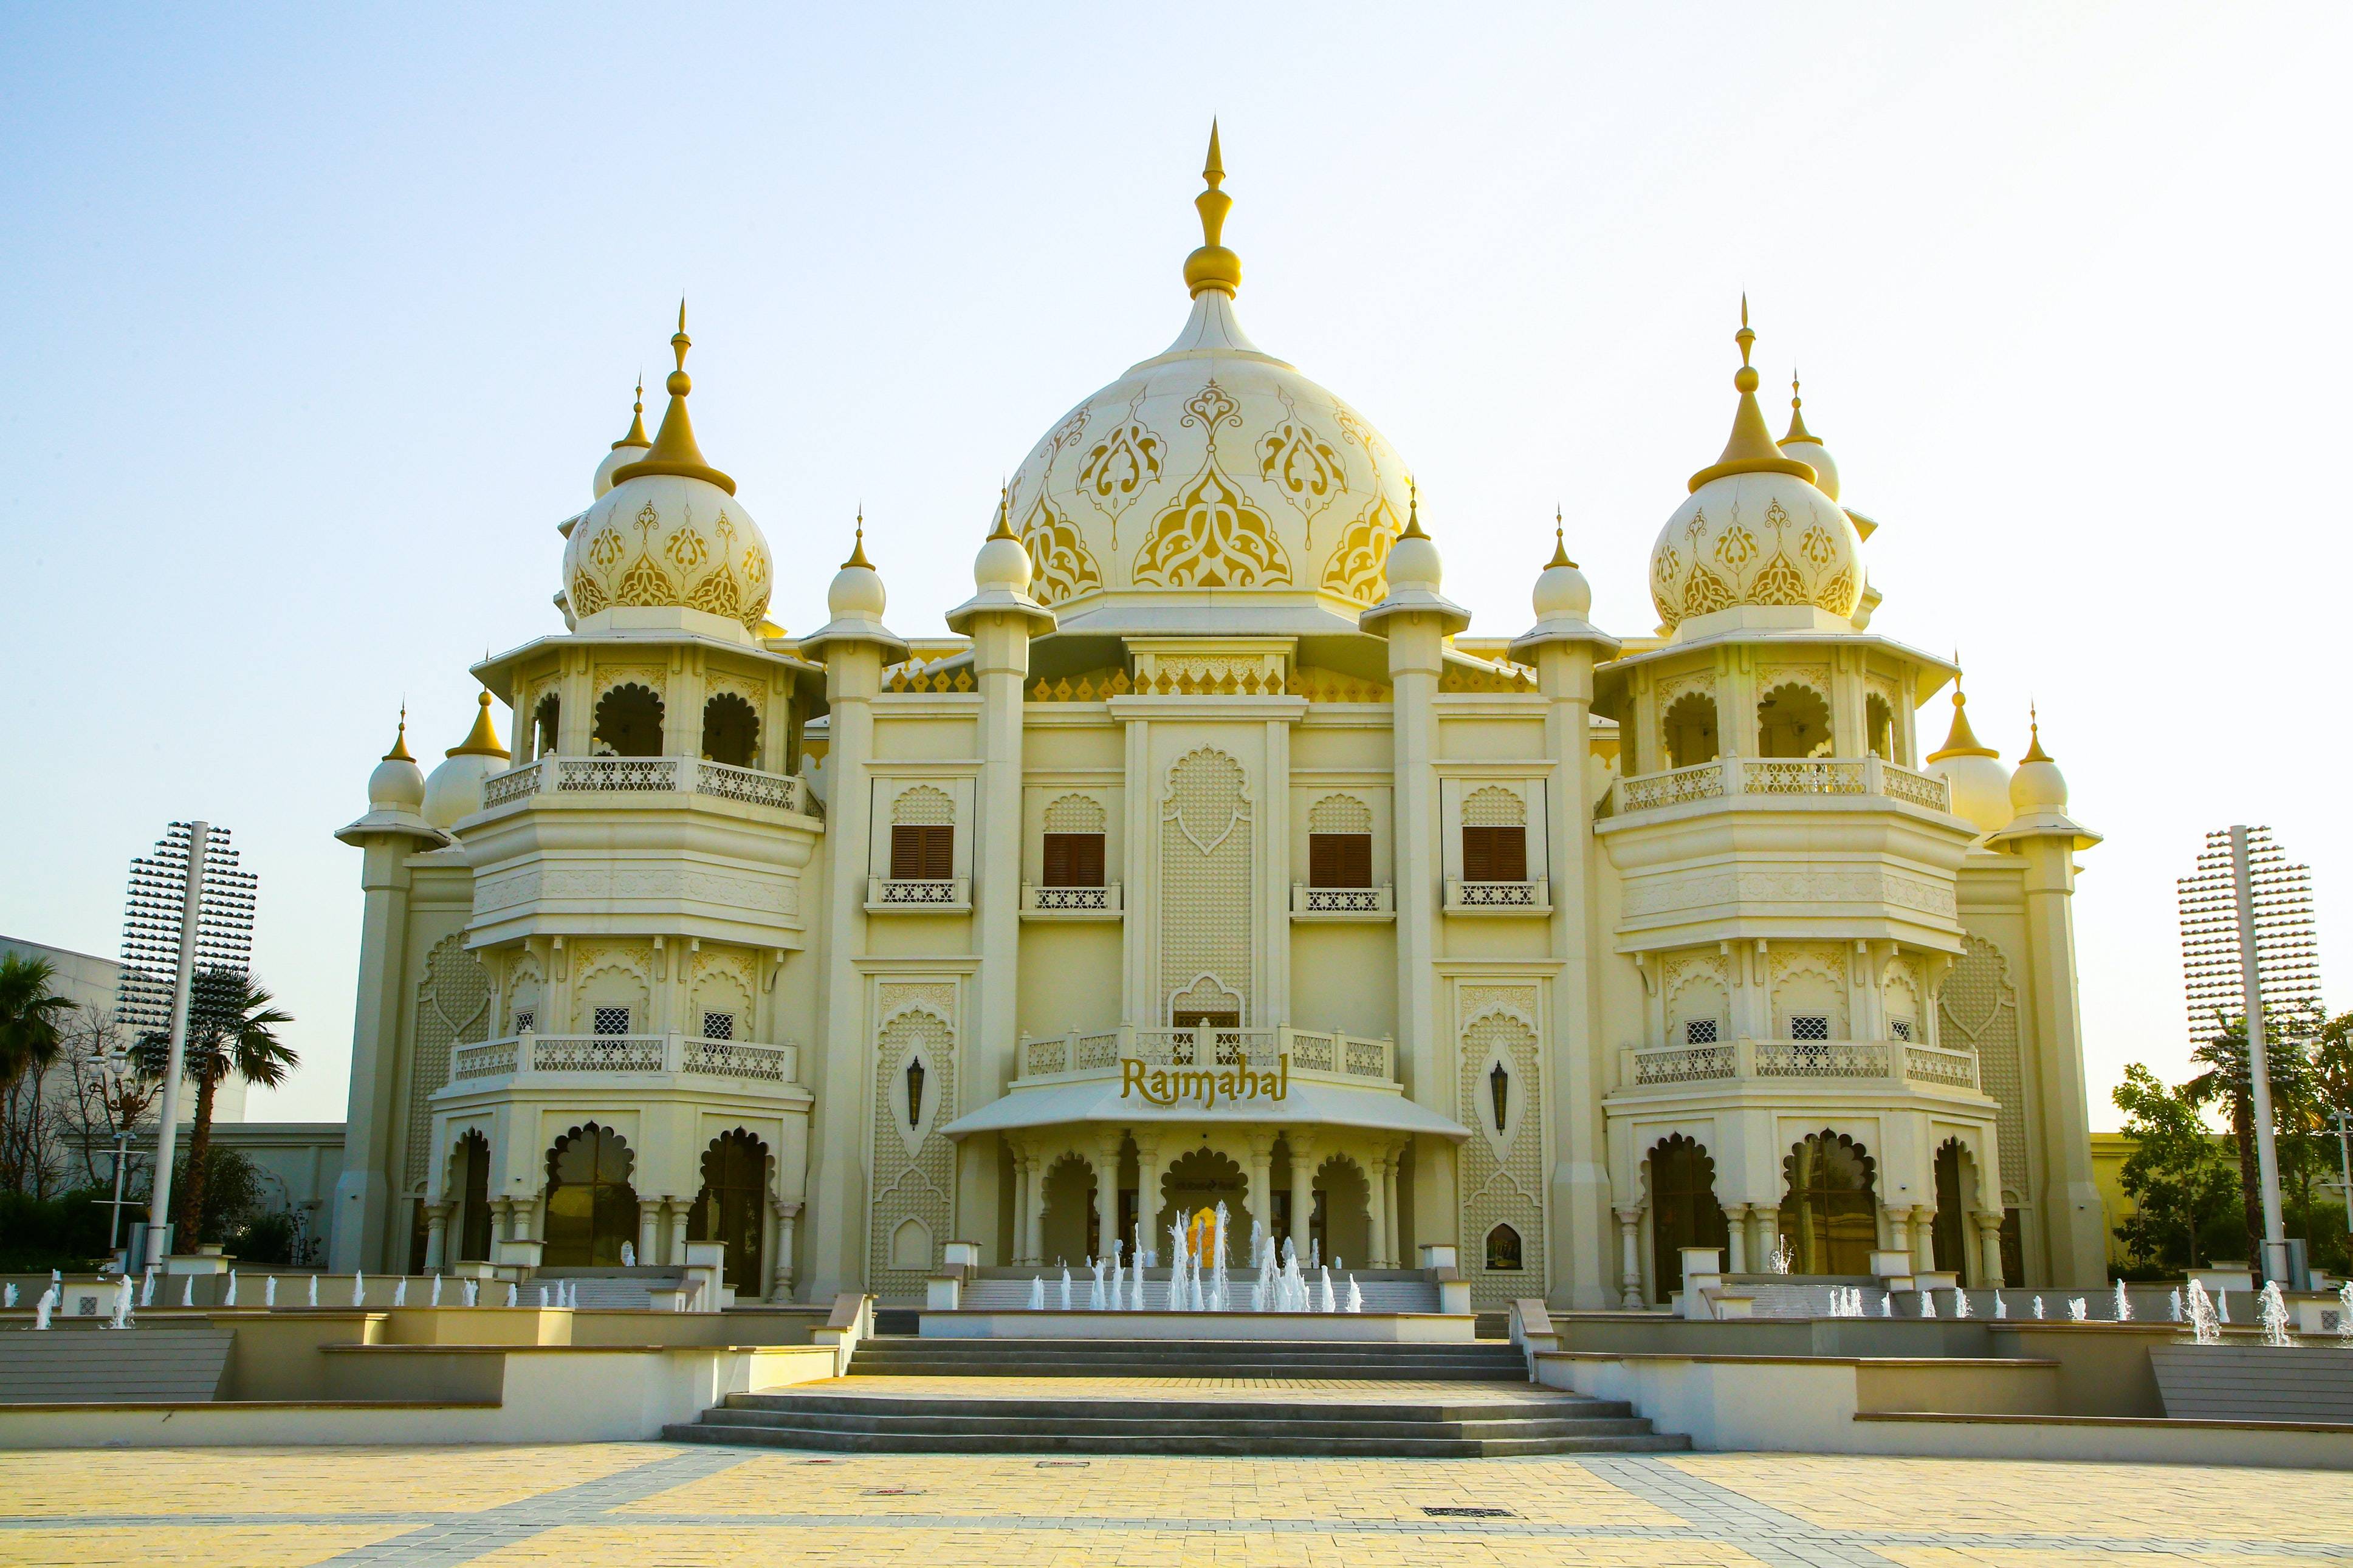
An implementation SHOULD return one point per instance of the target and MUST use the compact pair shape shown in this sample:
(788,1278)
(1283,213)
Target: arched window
(1504,1249)
(1951,1231)
(630,723)
(1684,1210)
(1830,1213)
(731,731)
(732,1206)
(1688,728)
(1793,720)
(922,836)
(1879,727)
(591,1207)
(545,721)
(1074,842)
(1340,843)
(472,1169)
(1494,837)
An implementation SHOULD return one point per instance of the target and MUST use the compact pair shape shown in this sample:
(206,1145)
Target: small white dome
(1414,564)
(455,789)
(1002,565)
(856,592)
(1561,591)
(1816,455)
(619,456)
(1979,783)
(2038,785)
(397,783)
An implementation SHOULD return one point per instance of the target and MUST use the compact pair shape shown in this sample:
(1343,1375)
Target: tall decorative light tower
(2248,947)
(188,907)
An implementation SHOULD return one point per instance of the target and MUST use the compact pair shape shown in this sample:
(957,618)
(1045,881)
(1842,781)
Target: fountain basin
(1388,1328)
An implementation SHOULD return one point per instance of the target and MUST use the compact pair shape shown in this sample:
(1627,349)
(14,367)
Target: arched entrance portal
(1830,1213)
(1342,1210)
(1951,1232)
(471,1175)
(732,1206)
(1684,1210)
(1201,1180)
(1067,1231)
(591,1207)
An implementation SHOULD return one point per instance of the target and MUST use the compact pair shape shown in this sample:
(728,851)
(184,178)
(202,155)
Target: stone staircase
(90,1366)
(629,1288)
(1506,1416)
(1001,1291)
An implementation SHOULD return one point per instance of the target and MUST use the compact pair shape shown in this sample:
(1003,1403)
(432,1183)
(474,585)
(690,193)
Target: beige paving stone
(2030,1557)
(308,1480)
(2128,1502)
(214,1546)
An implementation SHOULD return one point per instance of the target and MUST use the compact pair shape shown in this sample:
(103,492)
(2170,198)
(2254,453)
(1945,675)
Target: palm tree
(30,1037)
(230,1020)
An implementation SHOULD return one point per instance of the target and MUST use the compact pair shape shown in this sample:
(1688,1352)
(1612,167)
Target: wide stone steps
(1095,1425)
(89,1364)
(1478,1362)
(1383,1293)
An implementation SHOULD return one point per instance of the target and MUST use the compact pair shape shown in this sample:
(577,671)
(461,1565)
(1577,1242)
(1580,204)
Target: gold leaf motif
(1839,594)
(1704,593)
(586,599)
(605,550)
(1779,584)
(647,518)
(1735,547)
(1210,407)
(1212,536)
(1358,569)
(1059,556)
(1670,561)
(1818,547)
(687,550)
(645,584)
(717,594)
(1302,464)
(1119,465)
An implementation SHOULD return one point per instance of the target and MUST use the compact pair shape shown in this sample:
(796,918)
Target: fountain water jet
(2124,1304)
(2275,1317)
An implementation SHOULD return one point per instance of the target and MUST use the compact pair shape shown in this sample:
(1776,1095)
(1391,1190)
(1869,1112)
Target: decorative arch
(1208,916)
(911,1247)
(1492,805)
(591,1207)
(1340,814)
(1830,1204)
(1075,813)
(1504,1252)
(546,724)
(1502,1174)
(468,1185)
(913,1166)
(453,1009)
(732,1206)
(628,721)
(1793,720)
(1688,727)
(923,805)
(1684,1207)
(731,730)
(1343,1217)
(1949,1234)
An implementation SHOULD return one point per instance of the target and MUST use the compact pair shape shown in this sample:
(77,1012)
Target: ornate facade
(1211,858)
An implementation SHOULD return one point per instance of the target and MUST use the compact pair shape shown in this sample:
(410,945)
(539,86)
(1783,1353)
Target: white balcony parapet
(1318,1052)
(1755,776)
(1343,903)
(1875,1061)
(1070,903)
(1498,898)
(926,896)
(675,1056)
(650,775)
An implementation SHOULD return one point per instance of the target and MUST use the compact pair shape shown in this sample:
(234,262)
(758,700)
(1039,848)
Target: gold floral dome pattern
(1755,538)
(660,541)
(1211,465)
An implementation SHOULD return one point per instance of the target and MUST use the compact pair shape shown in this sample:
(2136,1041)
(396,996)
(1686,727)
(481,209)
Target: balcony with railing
(1765,779)
(1052,903)
(1343,903)
(918,896)
(1531,897)
(647,777)
(653,1061)
(1315,1053)
(1890,1065)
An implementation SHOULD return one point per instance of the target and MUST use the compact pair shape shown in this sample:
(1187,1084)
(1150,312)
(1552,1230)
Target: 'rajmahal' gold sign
(1163,1085)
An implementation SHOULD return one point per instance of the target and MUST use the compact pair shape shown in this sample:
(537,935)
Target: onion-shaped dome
(1210,466)
(1973,771)
(627,450)
(670,534)
(856,602)
(1754,530)
(2038,785)
(455,789)
(1807,447)
(397,783)
(1563,601)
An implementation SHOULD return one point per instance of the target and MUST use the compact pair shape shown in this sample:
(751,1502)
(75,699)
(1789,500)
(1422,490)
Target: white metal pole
(2259,1080)
(159,1233)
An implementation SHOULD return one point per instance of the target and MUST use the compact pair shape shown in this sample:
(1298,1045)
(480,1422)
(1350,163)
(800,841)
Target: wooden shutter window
(1495,853)
(921,853)
(1074,860)
(1339,859)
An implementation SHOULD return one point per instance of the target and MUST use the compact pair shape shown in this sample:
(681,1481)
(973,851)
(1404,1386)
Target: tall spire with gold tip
(858,545)
(1960,740)
(624,452)
(1213,265)
(1413,510)
(636,435)
(1807,447)
(1751,450)
(674,449)
(1798,431)
(1976,782)
(2035,753)
(399,752)
(1559,542)
(482,740)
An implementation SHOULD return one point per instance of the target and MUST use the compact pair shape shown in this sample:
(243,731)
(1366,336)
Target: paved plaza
(656,1505)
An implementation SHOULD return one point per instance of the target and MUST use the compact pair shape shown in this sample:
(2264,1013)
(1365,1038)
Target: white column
(436,1236)
(1397,1242)
(1303,1188)
(1580,1196)
(2073,1219)
(674,1211)
(1376,1207)
(780,1288)
(1018,1251)
(1629,1264)
(650,1253)
(1147,1186)
(1899,1227)
(374,1110)
(1262,1177)
(1989,1249)
(1000,650)
(1924,1237)
(1106,1192)
(1416,655)
(1735,1239)
(1034,1244)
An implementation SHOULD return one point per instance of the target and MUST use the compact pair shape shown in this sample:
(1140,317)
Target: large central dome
(1211,468)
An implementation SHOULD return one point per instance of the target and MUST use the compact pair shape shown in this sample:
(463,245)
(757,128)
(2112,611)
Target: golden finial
(1413,510)
(1798,431)
(1960,740)
(1751,450)
(636,435)
(858,549)
(2034,752)
(399,752)
(1559,542)
(482,741)
(1213,265)
(674,450)
(1003,529)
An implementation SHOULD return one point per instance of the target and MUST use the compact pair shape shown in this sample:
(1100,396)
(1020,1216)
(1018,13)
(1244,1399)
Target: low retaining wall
(1388,1328)
(2257,1382)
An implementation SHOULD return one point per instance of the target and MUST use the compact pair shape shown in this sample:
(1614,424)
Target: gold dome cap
(674,449)
(1213,265)
(1807,447)
(482,740)
(1751,448)
(624,452)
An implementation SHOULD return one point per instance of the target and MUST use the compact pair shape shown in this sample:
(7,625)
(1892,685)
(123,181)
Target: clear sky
(313,321)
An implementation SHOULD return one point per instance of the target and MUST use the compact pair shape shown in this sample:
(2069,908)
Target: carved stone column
(1377,1206)
(1147,1187)
(1899,1231)
(780,1278)
(436,1236)
(1924,1237)
(1034,1244)
(1989,1248)
(1630,1254)
(1107,1148)
(675,1210)
(1261,1180)
(1303,1188)
(649,1232)
(1735,1238)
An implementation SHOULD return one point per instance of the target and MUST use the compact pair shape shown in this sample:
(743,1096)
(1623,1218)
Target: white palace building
(1210,859)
